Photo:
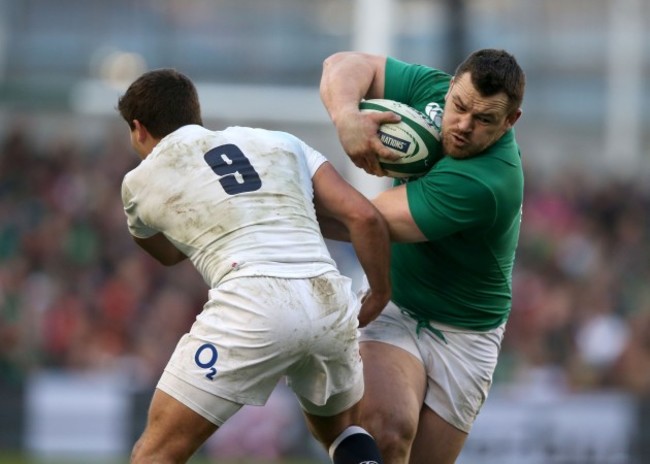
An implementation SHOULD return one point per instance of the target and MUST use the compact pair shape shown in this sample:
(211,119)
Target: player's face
(470,122)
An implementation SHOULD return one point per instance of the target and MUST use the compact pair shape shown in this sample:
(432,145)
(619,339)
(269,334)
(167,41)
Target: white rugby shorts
(459,368)
(255,330)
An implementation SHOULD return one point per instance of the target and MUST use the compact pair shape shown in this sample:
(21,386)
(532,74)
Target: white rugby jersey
(237,202)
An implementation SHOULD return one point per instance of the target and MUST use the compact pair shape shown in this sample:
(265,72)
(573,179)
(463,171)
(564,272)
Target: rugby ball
(416,138)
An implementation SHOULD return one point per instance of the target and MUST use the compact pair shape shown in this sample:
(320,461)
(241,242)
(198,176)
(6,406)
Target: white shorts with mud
(255,330)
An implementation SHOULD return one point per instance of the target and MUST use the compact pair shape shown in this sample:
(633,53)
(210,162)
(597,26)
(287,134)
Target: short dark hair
(163,100)
(493,71)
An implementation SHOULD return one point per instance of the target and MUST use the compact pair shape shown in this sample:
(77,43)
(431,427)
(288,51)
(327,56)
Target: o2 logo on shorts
(206,357)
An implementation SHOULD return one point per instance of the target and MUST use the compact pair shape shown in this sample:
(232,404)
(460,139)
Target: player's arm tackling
(160,248)
(367,231)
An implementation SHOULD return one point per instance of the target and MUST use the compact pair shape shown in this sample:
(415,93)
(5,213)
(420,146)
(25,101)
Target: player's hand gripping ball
(416,138)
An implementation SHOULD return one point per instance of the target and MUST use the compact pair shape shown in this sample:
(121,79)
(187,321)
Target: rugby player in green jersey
(430,356)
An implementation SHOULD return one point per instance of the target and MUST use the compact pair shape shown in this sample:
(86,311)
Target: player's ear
(513,117)
(451,84)
(141,132)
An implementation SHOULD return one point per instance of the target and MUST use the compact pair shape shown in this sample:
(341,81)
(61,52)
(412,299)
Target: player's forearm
(371,243)
(333,229)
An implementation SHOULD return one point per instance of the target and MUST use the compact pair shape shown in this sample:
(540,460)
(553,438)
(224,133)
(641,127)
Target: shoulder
(264,141)
(130,184)
(137,180)
(501,164)
(313,158)
(415,84)
(498,171)
(506,147)
(186,134)
(138,172)
(261,137)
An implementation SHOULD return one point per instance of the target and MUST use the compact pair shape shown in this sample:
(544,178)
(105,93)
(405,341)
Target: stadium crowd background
(77,295)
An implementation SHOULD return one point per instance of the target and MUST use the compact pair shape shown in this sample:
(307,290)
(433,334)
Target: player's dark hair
(163,100)
(493,71)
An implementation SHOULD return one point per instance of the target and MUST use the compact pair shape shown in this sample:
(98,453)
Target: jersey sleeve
(314,158)
(450,202)
(414,84)
(137,228)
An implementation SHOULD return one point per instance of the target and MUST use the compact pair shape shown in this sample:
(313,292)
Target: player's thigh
(437,441)
(173,430)
(395,384)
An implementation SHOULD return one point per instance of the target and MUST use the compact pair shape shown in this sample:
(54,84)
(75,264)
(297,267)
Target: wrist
(381,294)
(344,113)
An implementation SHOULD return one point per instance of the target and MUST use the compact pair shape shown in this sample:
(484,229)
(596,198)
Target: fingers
(369,163)
(383,151)
(379,118)
(359,135)
(385,117)
(368,314)
(371,307)
(363,294)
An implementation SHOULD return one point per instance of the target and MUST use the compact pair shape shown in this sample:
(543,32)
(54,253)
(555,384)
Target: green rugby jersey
(470,212)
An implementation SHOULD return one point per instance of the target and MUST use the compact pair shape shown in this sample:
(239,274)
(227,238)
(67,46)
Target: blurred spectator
(73,286)
(75,292)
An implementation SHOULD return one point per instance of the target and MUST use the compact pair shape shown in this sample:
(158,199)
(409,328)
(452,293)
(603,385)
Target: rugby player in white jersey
(242,205)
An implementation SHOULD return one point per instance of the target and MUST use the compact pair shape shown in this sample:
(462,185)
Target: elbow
(335,58)
(370,218)
(352,59)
